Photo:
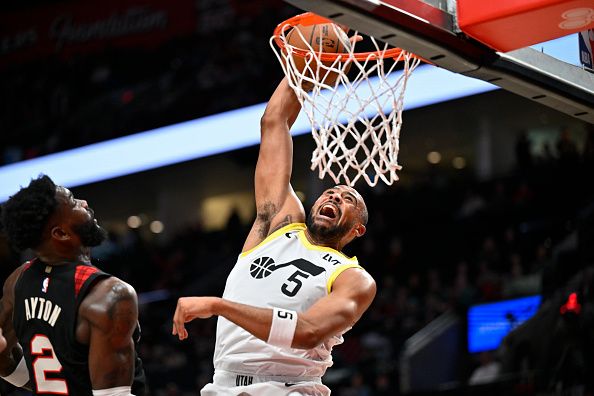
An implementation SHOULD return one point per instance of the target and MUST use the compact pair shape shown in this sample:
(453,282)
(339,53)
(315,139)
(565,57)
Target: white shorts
(226,383)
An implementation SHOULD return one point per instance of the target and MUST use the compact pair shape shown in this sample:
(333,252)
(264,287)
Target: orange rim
(308,19)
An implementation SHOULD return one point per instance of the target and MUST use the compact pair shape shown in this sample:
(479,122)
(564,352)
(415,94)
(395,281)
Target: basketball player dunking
(292,294)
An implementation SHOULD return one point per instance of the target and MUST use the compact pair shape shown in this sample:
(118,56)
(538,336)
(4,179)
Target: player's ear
(360,230)
(59,234)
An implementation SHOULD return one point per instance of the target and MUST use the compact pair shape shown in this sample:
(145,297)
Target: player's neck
(57,257)
(314,240)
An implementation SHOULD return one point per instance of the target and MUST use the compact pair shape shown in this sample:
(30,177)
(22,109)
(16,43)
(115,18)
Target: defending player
(292,293)
(74,323)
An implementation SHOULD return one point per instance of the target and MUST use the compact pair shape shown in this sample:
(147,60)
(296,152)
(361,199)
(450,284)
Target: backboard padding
(431,33)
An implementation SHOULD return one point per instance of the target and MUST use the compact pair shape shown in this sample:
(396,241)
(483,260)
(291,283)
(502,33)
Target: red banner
(87,26)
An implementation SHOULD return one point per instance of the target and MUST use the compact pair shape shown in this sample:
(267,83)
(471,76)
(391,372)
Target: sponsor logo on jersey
(331,259)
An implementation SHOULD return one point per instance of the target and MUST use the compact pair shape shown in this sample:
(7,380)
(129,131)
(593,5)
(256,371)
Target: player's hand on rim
(188,309)
(356,38)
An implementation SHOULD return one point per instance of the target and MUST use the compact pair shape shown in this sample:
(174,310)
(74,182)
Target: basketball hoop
(355,120)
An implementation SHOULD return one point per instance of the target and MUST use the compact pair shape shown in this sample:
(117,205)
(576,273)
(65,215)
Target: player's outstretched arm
(7,361)
(352,293)
(276,202)
(109,315)
(12,364)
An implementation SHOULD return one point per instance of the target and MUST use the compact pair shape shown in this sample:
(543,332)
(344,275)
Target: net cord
(352,142)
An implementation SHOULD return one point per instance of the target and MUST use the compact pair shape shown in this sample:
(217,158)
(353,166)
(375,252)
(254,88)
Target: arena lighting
(200,138)
(219,133)
(156,227)
(434,157)
(134,222)
(459,162)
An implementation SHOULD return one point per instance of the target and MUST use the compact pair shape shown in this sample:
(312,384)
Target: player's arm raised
(276,202)
(352,293)
(110,315)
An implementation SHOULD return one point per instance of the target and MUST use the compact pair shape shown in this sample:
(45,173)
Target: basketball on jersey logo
(262,267)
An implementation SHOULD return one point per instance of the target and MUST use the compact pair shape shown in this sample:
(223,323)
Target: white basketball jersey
(285,271)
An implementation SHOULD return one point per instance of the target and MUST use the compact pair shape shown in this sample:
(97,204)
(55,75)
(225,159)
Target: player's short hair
(363,212)
(25,214)
(364,215)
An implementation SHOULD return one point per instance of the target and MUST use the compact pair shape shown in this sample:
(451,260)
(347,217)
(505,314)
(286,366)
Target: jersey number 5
(297,283)
(46,362)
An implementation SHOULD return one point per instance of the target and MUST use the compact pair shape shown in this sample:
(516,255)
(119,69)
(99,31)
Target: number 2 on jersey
(46,363)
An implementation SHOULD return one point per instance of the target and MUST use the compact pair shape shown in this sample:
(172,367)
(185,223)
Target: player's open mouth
(328,210)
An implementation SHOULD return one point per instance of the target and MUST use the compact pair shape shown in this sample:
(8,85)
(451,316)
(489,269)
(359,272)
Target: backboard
(430,29)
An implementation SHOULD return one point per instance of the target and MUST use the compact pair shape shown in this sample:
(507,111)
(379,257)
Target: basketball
(326,37)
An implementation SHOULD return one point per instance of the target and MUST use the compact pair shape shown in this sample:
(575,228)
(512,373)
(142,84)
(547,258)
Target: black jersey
(46,305)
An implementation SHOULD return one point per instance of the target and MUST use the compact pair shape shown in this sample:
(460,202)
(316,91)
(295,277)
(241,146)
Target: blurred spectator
(567,149)
(588,153)
(523,194)
(357,387)
(547,157)
(60,102)
(487,371)
(472,204)
(523,152)
(489,253)
(488,282)
(464,292)
(542,259)
(383,386)
(516,283)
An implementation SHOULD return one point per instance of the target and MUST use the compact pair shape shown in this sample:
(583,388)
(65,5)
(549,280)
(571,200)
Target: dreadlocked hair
(26,213)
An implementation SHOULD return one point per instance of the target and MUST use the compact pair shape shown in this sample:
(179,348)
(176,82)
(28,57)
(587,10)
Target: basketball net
(356,119)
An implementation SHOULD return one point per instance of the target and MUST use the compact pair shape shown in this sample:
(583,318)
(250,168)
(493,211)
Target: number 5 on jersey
(291,289)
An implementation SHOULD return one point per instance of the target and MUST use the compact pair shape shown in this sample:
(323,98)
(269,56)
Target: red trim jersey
(47,299)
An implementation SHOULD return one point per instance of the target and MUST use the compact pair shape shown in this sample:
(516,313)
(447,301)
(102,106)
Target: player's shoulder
(11,280)
(283,229)
(358,274)
(110,301)
(109,291)
(357,280)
